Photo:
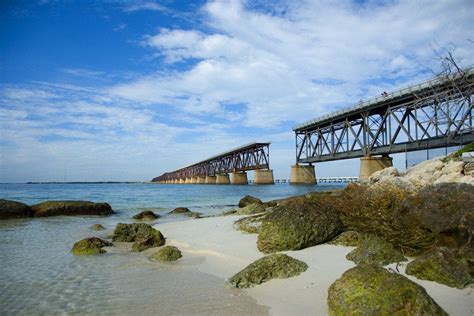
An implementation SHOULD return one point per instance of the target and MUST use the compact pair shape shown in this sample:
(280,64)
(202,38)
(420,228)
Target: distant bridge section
(215,170)
(432,114)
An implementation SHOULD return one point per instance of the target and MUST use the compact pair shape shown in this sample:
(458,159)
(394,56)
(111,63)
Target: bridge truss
(433,114)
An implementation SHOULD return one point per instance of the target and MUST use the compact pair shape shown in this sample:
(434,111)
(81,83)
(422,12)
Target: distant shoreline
(84,182)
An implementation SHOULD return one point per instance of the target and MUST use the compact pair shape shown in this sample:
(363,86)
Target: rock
(193,214)
(389,172)
(297,225)
(180,210)
(373,250)
(142,234)
(425,172)
(348,238)
(251,209)
(167,254)
(13,209)
(90,246)
(250,224)
(146,216)
(372,290)
(399,182)
(270,267)
(55,208)
(247,200)
(97,227)
(443,265)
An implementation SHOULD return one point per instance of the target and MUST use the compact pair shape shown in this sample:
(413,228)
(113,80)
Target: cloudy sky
(126,90)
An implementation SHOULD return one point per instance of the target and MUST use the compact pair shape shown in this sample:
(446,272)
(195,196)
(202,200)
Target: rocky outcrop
(167,254)
(250,224)
(373,250)
(297,225)
(270,267)
(97,227)
(443,265)
(247,200)
(372,290)
(146,216)
(180,210)
(348,238)
(389,172)
(143,235)
(251,209)
(13,209)
(90,246)
(71,208)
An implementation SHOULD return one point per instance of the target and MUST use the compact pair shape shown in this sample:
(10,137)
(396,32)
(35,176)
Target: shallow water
(39,275)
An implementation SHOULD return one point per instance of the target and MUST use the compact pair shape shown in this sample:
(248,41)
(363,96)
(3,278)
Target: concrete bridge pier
(371,164)
(262,176)
(193,180)
(222,178)
(239,178)
(302,174)
(201,180)
(187,181)
(181,181)
(210,180)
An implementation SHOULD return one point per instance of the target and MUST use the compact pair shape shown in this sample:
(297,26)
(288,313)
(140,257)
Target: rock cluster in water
(90,246)
(13,209)
(167,254)
(142,235)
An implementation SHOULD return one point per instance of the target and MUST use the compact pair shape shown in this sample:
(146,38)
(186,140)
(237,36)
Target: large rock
(373,250)
(270,267)
(250,224)
(55,208)
(443,265)
(348,238)
(372,290)
(389,172)
(247,200)
(13,209)
(146,216)
(143,235)
(90,246)
(251,209)
(297,225)
(167,254)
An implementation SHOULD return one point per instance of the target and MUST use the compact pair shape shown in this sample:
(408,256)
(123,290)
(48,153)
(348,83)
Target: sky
(127,90)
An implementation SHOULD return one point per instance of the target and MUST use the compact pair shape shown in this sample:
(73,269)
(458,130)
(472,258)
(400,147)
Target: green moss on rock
(97,227)
(55,208)
(247,200)
(274,266)
(348,238)
(374,250)
(251,209)
(146,216)
(90,246)
(167,254)
(372,290)
(180,210)
(13,209)
(142,234)
(443,265)
(250,224)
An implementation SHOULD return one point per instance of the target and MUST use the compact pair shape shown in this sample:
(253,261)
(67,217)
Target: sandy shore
(213,246)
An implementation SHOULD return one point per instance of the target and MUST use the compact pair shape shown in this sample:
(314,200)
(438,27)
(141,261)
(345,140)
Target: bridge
(216,170)
(432,114)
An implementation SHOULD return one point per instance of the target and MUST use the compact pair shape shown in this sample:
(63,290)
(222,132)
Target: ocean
(38,274)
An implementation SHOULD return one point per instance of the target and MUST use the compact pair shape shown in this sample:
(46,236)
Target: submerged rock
(373,250)
(348,238)
(142,234)
(90,246)
(167,254)
(97,227)
(55,208)
(443,265)
(180,210)
(13,209)
(372,290)
(146,216)
(247,200)
(274,266)
(297,225)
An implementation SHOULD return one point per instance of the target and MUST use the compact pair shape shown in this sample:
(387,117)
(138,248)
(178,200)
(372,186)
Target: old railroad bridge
(432,114)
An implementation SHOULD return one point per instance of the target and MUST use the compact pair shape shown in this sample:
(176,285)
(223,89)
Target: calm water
(38,275)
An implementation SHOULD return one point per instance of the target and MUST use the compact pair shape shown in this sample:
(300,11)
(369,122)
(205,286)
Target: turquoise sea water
(38,275)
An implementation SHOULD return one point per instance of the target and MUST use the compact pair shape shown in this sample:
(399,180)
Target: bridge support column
(181,181)
(222,178)
(263,177)
(239,178)
(370,164)
(302,175)
(210,180)
(187,181)
(175,181)
(201,180)
(193,180)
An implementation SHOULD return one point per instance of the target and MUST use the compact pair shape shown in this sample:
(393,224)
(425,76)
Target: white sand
(213,246)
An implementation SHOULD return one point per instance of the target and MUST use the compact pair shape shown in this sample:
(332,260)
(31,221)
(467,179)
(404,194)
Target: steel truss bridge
(433,114)
(252,156)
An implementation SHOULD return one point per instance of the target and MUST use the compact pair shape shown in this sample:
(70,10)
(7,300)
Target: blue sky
(126,90)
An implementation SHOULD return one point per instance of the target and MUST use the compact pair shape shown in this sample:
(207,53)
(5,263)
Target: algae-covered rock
(90,246)
(372,290)
(97,227)
(142,234)
(274,266)
(180,210)
(146,216)
(247,200)
(250,224)
(297,225)
(251,209)
(348,238)
(373,250)
(167,254)
(443,265)
(13,209)
(55,208)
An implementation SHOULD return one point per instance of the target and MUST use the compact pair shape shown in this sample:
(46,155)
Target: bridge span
(216,170)
(432,114)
